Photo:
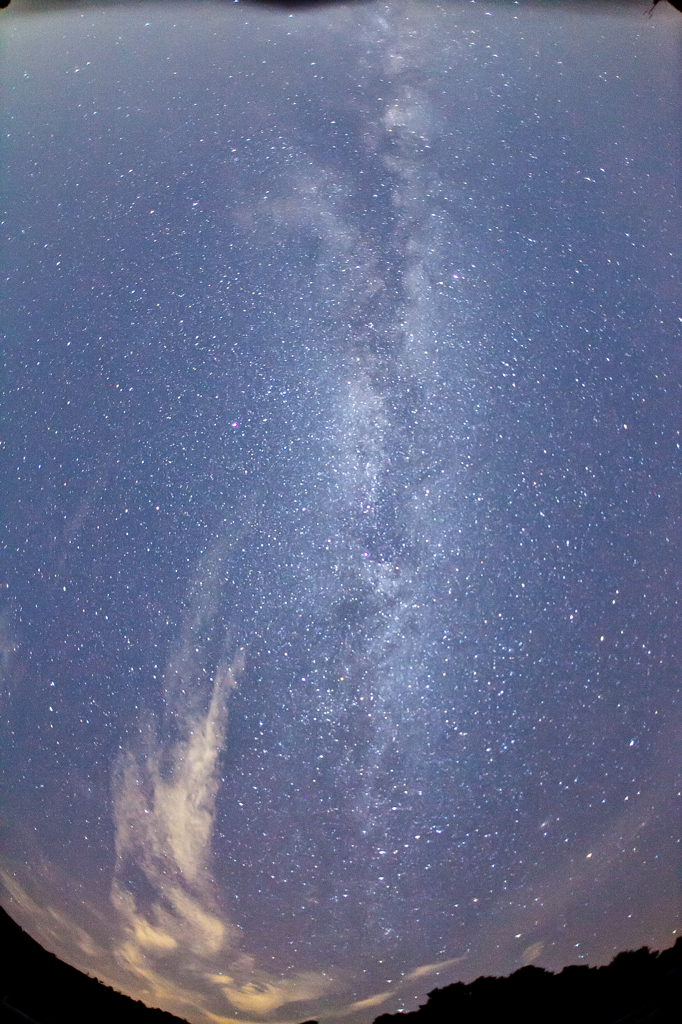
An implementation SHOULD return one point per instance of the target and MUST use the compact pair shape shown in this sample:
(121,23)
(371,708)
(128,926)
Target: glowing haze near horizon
(341,383)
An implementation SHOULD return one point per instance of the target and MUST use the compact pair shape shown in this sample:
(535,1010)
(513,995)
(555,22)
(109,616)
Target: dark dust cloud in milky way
(341,383)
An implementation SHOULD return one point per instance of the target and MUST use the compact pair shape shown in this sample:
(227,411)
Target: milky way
(341,377)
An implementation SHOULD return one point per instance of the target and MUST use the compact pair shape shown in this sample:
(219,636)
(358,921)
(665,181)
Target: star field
(341,387)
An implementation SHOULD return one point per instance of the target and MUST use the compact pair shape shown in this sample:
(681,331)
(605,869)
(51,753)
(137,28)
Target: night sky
(341,396)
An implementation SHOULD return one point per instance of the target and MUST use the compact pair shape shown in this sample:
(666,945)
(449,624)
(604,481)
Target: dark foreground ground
(639,987)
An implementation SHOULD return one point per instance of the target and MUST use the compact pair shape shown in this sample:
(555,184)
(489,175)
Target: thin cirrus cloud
(168,929)
(163,828)
(426,969)
(264,995)
(164,812)
(418,972)
(365,1004)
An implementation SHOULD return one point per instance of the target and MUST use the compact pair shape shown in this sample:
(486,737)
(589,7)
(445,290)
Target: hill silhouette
(39,988)
(639,987)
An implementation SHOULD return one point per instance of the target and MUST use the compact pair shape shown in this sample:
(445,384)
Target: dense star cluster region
(341,386)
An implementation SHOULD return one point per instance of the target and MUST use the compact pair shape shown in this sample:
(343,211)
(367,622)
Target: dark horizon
(636,985)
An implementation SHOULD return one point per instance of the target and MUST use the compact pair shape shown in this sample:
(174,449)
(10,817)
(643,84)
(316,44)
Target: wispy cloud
(218,1019)
(365,1004)
(175,935)
(263,994)
(442,965)
(164,808)
(381,997)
